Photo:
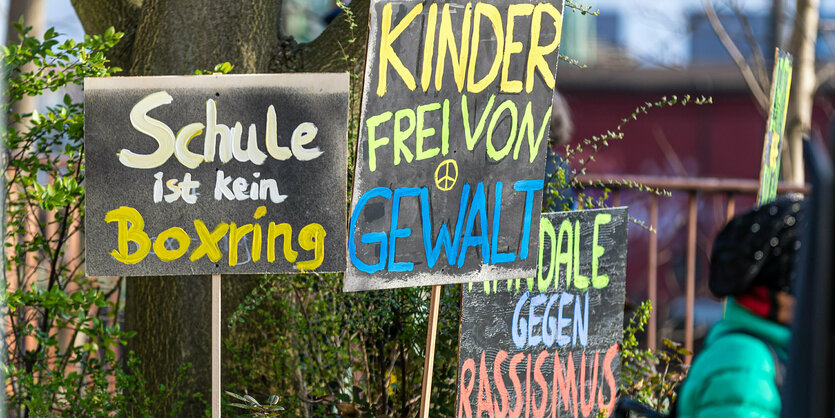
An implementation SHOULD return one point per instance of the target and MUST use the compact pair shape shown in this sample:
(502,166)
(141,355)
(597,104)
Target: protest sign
(453,135)
(549,345)
(781,82)
(216,174)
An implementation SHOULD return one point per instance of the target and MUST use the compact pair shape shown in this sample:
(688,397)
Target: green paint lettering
(401,135)
(545,227)
(373,141)
(598,281)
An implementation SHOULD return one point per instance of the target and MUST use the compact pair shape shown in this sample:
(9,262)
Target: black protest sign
(453,136)
(216,174)
(548,345)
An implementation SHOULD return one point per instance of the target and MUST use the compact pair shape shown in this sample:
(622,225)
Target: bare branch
(744,68)
(760,67)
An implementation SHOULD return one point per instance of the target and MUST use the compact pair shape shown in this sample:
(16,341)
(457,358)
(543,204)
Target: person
(740,371)
(558,174)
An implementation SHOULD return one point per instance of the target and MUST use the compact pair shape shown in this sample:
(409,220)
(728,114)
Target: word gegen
(131,229)
(546,326)
(455,245)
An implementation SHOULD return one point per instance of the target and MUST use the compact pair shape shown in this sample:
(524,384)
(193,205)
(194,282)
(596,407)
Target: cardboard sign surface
(781,82)
(450,164)
(550,343)
(216,174)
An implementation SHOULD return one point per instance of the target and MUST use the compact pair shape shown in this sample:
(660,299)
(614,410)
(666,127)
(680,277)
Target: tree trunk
(33,15)
(804,82)
(171,315)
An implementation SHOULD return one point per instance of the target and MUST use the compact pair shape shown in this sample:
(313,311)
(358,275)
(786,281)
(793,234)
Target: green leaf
(223,68)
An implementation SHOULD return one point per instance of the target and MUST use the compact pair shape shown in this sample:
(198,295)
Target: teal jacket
(734,374)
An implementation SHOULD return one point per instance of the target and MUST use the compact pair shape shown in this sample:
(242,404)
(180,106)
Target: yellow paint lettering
(511,47)
(546,228)
(235,234)
(537,53)
(208,241)
(387,54)
(446,43)
(429,46)
(256,233)
(312,237)
(177,234)
(273,232)
(130,229)
(492,14)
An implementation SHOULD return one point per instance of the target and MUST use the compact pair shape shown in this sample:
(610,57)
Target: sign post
(549,344)
(194,175)
(429,361)
(781,80)
(216,345)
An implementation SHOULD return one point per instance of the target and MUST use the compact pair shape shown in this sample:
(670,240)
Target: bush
(63,352)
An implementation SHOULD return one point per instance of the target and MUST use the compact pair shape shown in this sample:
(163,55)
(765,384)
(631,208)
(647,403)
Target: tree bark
(171,315)
(180,36)
(98,15)
(804,83)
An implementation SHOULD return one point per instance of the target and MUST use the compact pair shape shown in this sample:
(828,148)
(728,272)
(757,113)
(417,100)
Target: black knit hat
(758,248)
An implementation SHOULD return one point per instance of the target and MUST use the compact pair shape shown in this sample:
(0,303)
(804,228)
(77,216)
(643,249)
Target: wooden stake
(216,345)
(434,302)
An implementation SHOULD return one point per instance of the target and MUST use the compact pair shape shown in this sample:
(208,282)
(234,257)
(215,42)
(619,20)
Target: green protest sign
(775,126)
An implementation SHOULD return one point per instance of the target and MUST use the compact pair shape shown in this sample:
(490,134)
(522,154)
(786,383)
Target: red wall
(723,139)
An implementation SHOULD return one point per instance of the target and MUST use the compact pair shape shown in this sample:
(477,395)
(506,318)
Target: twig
(762,73)
(744,68)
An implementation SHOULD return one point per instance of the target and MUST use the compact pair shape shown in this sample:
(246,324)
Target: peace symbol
(445,177)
